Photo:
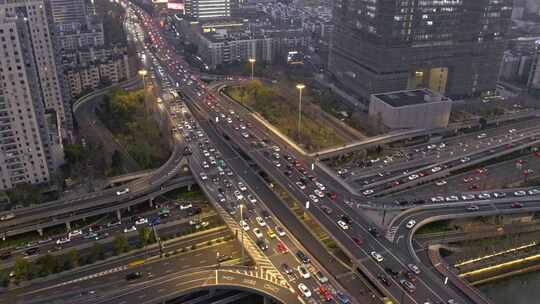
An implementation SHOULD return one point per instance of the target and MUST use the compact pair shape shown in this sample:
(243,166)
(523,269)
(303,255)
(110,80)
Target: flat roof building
(410,109)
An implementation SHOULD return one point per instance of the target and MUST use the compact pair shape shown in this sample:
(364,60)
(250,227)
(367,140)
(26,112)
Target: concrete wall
(419,116)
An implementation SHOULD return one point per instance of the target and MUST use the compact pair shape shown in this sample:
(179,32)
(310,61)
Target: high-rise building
(31,104)
(450,46)
(205,9)
(69,11)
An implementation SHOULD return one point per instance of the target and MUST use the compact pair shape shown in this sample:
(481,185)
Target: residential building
(32,108)
(69,11)
(208,9)
(453,47)
(533,82)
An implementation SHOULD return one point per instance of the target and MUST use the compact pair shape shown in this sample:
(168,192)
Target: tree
(121,244)
(22,270)
(73,153)
(47,264)
(4,278)
(25,194)
(73,257)
(97,252)
(144,235)
(117,162)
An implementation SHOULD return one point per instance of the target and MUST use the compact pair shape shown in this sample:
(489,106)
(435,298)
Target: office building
(69,11)
(207,9)
(32,112)
(411,109)
(452,46)
(533,82)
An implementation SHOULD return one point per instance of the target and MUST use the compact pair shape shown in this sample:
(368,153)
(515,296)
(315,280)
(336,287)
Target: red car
(332,196)
(325,293)
(481,170)
(467,179)
(537,153)
(517,205)
(357,240)
(474,187)
(281,247)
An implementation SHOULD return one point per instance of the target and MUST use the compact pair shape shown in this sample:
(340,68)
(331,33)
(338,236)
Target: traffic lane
(282,212)
(497,177)
(69,281)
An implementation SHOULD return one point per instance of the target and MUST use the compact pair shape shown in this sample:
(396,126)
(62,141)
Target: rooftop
(410,97)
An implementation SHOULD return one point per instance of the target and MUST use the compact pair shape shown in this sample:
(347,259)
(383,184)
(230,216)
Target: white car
(484,196)
(414,268)
(413,176)
(301,185)
(185,206)
(319,193)
(241,186)
(451,198)
(320,186)
(368,192)
(303,272)
(379,258)
(280,231)
(410,224)
(74,233)
(313,198)
(130,229)
(467,197)
(204,176)
(251,198)
(63,241)
(244,225)
(258,233)
(141,221)
(437,199)
(436,169)
(124,191)
(533,192)
(520,193)
(238,195)
(343,225)
(441,183)
(260,221)
(304,290)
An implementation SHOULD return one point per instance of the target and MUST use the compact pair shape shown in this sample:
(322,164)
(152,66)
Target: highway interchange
(215,131)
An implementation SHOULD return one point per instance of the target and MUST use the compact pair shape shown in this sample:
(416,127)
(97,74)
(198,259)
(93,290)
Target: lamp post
(242,231)
(252,61)
(300,87)
(143,73)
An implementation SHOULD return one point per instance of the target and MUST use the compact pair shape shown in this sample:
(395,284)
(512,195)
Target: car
(484,196)
(221,198)
(63,241)
(301,185)
(241,186)
(533,192)
(441,183)
(413,177)
(481,135)
(325,293)
(520,193)
(357,240)
(304,273)
(238,195)
(114,224)
(313,198)
(123,191)
(436,169)
(321,277)
(517,205)
(451,198)
(91,235)
(368,192)
(465,159)
(141,221)
(414,268)
(379,258)
(265,214)
(281,247)
(7,216)
(185,206)
(304,290)
(260,221)
(74,233)
(319,193)
(244,225)
(134,275)
(473,208)
(302,257)
(130,229)
(467,197)
(271,233)
(410,224)
(320,186)
(204,176)
(326,209)
(383,278)
(342,298)
(407,285)
(343,225)
(286,268)
(251,199)
(373,231)
(280,231)
(437,199)
(263,245)
(499,194)
(258,233)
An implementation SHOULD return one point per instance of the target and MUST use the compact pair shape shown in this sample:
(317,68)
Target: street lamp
(143,73)
(252,61)
(242,231)
(300,87)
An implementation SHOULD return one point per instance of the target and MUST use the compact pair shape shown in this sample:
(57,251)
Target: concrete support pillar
(129,208)
(267,300)
(151,202)
(189,187)
(39,231)
(68,226)
(118,215)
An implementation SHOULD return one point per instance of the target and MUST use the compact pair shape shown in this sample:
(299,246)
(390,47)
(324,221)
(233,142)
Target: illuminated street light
(143,73)
(252,61)
(300,87)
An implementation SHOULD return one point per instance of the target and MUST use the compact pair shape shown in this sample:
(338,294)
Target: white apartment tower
(33,116)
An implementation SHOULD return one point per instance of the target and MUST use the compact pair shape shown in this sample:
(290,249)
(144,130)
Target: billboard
(175,6)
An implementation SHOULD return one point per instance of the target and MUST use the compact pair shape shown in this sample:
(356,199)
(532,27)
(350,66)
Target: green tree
(22,270)
(97,252)
(73,153)
(144,235)
(4,278)
(121,244)
(47,264)
(25,194)
(117,162)
(73,257)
